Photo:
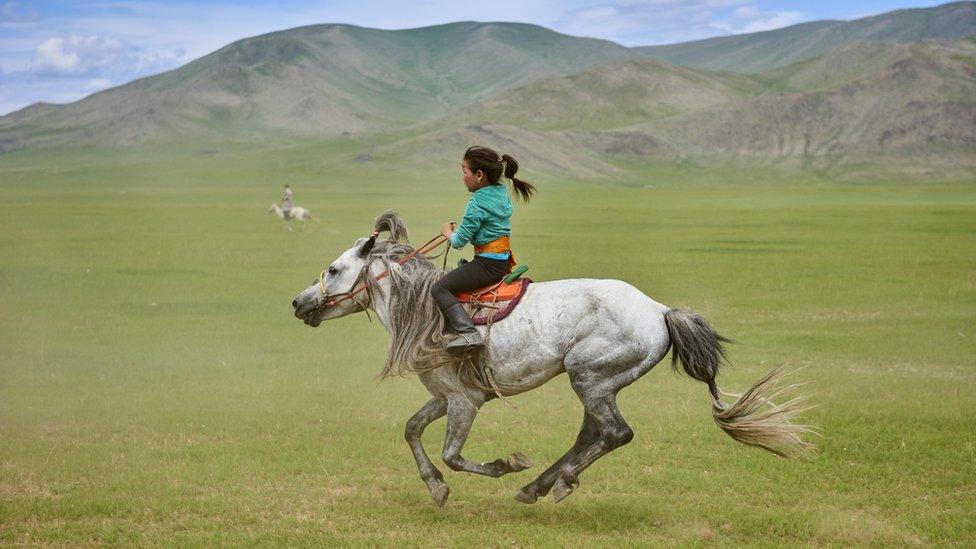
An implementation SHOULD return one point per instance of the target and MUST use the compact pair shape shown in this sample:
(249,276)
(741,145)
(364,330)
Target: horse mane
(416,324)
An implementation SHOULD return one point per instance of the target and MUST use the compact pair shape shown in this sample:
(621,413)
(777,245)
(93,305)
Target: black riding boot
(468,337)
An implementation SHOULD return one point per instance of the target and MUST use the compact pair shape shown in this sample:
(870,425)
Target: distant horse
(604,334)
(296,212)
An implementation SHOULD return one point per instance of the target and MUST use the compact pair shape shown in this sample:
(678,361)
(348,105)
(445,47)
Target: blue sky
(62,51)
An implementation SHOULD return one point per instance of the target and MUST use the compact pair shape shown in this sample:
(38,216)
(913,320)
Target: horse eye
(333,270)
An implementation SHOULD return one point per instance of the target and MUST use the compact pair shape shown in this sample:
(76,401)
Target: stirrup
(464,342)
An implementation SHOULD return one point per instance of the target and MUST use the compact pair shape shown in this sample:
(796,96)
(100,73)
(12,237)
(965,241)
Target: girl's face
(471,179)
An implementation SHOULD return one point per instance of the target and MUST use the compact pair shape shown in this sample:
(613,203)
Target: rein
(357,288)
(334,299)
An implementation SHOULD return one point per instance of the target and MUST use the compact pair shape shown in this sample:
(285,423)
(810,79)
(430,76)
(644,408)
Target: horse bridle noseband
(329,300)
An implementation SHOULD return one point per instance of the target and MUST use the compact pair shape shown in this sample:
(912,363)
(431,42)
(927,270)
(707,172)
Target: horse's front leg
(461,411)
(433,478)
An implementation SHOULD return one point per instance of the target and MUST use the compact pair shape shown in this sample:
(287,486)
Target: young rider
(486,224)
(286,201)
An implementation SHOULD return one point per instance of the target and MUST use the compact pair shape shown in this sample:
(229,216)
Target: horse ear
(367,246)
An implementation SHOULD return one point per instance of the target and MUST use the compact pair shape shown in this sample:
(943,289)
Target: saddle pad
(495,302)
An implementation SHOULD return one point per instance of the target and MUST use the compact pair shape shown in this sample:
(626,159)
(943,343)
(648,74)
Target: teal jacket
(487,216)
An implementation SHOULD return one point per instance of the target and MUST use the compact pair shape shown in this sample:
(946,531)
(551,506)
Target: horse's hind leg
(598,369)
(613,432)
(543,483)
(433,478)
(461,411)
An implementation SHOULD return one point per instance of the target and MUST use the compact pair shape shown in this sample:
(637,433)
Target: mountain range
(898,87)
(756,52)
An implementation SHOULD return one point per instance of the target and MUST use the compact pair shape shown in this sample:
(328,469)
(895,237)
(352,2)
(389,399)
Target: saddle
(493,303)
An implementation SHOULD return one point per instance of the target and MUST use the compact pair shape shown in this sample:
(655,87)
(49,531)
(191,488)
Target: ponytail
(523,189)
(493,165)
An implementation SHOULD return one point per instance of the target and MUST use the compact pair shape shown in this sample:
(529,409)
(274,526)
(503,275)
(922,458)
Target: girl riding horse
(486,224)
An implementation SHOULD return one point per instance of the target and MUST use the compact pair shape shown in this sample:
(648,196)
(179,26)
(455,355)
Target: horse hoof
(440,493)
(563,489)
(518,462)
(526,497)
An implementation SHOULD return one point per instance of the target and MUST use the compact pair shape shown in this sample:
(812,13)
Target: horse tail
(698,347)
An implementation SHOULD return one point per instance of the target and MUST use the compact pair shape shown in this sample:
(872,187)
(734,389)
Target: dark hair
(493,164)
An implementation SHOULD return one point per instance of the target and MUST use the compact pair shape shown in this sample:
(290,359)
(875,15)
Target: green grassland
(155,389)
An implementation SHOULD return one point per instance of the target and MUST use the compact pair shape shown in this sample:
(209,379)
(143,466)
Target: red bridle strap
(430,245)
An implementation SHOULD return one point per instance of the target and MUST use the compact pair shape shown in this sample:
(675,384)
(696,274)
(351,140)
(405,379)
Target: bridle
(333,299)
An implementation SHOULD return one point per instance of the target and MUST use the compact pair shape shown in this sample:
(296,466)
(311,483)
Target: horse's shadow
(583,516)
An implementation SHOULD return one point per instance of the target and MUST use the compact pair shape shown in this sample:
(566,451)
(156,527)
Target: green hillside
(575,107)
(894,106)
(315,81)
(755,52)
(611,96)
(915,103)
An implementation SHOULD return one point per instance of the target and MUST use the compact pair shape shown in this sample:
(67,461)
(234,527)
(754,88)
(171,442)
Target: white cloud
(95,56)
(648,22)
(65,68)
(747,19)
(56,55)
(745,12)
(97,84)
(772,21)
(598,12)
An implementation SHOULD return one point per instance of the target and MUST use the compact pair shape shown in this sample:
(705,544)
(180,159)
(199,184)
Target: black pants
(474,274)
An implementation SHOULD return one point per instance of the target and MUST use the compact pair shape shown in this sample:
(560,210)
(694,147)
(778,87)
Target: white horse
(604,334)
(297,212)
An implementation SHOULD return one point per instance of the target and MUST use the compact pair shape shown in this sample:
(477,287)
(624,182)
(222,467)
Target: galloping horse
(296,212)
(604,334)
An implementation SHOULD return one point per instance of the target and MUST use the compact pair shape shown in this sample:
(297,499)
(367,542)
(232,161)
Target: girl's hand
(447,229)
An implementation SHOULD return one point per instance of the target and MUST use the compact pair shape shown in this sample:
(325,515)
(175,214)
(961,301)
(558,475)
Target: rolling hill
(853,103)
(318,80)
(861,102)
(756,52)
(575,106)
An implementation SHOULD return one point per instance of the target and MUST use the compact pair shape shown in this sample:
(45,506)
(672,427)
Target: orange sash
(502,244)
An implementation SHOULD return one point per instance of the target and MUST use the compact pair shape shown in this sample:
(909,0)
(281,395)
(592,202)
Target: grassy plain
(154,388)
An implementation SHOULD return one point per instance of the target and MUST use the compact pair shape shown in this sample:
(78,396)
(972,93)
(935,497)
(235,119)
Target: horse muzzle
(307,309)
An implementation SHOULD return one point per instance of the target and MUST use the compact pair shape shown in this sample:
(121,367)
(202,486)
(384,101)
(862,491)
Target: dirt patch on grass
(18,483)
(863,526)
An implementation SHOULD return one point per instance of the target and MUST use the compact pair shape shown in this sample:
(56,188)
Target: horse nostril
(294,304)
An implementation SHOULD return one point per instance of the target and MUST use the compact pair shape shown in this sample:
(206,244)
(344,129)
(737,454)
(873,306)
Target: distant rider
(286,202)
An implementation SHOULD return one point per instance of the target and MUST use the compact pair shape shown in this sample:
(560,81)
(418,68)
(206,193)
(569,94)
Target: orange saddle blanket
(495,302)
